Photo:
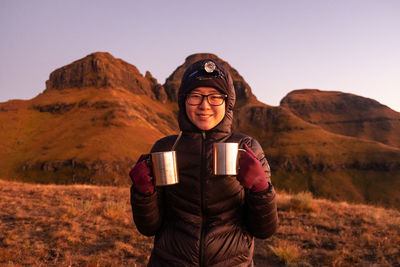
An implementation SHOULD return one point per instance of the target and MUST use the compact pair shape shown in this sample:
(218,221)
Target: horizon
(276,46)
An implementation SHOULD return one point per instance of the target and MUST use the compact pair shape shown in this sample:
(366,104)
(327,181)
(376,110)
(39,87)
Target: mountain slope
(346,114)
(306,157)
(89,133)
(98,114)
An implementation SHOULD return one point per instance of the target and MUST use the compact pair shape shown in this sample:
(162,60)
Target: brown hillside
(90,133)
(80,225)
(346,114)
(305,157)
(98,114)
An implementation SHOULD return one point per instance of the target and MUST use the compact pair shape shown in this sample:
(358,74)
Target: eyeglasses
(212,99)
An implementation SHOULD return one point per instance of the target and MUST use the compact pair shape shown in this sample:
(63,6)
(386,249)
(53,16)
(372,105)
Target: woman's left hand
(251,173)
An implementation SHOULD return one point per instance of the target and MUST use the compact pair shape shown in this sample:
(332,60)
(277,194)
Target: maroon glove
(251,172)
(141,176)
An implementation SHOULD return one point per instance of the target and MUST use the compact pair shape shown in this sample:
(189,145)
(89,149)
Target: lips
(203,116)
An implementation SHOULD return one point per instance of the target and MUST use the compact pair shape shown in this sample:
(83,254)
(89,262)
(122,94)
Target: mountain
(102,70)
(307,157)
(99,113)
(346,114)
(96,116)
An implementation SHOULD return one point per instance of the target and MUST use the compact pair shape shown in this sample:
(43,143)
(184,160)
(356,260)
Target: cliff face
(102,70)
(98,114)
(242,89)
(346,114)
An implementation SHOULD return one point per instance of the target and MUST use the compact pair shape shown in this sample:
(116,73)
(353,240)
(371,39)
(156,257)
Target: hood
(203,74)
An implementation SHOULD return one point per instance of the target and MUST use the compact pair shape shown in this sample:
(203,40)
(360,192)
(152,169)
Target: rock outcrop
(156,88)
(346,114)
(98,114)
(72,171)
(243,90)
(101,70)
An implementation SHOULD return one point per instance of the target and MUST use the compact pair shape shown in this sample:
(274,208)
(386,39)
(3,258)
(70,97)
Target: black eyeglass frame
(208,100)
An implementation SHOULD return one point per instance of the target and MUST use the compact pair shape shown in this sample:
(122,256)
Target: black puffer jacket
(205,220)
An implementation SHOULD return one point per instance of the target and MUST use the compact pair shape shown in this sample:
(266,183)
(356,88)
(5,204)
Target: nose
(204,103)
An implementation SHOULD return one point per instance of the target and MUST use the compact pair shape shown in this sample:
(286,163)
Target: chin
(204,127)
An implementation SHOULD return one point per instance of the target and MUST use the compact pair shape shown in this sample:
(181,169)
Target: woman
(205,220)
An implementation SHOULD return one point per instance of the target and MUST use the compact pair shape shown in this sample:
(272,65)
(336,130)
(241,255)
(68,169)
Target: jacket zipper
(202,203)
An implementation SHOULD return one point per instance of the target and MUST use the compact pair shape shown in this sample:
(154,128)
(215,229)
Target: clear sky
(277,46)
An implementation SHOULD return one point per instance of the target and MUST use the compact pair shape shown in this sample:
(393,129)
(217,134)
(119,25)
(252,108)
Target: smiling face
(205,116)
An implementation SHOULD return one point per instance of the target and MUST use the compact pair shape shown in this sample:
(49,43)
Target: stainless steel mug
(165,169)
(225,158)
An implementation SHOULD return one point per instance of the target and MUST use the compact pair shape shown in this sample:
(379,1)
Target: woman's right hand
(141,176)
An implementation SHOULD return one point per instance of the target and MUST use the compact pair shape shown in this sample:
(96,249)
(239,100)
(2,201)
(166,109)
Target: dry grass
(286,252)
(47,225)
(300,202)
(317,232)
(68,225)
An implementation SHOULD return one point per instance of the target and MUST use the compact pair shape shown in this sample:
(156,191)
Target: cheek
(220,113)
(189,111)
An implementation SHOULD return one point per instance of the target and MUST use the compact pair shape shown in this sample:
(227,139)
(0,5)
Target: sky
(277,46)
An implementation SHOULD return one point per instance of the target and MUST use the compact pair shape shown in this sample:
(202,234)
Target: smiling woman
(205,219)
(205,114)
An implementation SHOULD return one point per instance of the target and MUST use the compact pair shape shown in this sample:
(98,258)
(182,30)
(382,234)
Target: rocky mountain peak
(243,90)
(346,114)
(101,70)
(103,131)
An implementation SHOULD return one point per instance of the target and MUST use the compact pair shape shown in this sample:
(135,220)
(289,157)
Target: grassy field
(80,225)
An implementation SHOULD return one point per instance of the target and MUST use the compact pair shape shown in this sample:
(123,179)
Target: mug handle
(242,150)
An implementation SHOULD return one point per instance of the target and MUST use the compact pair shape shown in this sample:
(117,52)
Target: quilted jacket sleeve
(148,210)
(262,215)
